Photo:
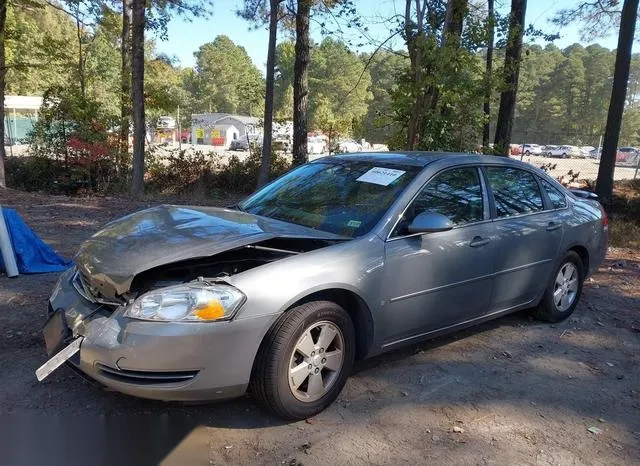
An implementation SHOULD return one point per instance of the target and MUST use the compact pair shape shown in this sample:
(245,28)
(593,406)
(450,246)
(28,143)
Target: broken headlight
(194,302)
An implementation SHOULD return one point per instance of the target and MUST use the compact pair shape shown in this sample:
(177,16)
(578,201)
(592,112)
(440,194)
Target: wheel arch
(584,256)
(357,309)
(352,303)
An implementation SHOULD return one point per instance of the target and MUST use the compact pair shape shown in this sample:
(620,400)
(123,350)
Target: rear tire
(563,290)
(304,360)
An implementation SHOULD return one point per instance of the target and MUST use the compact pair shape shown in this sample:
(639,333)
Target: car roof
(421,158)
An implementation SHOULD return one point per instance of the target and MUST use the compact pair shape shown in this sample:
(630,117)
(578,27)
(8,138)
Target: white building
(20,114)
(219,129)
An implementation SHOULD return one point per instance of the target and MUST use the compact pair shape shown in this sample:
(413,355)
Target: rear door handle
(478,241)
(553,226)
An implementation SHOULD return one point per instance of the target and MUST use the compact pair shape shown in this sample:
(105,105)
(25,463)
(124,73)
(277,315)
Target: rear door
(528,236)
(433,280)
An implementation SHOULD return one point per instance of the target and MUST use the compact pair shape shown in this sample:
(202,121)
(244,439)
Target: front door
(434,280)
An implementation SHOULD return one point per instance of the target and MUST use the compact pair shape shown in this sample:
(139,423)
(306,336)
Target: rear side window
(515,191)
(555,196)
(456,194)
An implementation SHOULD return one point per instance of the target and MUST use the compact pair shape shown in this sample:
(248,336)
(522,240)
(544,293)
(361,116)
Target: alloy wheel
(316,361)
(566,287)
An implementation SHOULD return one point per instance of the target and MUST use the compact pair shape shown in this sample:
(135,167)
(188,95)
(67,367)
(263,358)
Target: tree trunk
(452,30)
(3,72)
(82,79)
(265,166)
(137,93)
(301,83)
(125,84)
(451,36)
(512,56)
(486,132)
(414,44)
(604,183)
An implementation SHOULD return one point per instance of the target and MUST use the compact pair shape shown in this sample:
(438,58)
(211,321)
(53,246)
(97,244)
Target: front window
(346,198)
(455,193)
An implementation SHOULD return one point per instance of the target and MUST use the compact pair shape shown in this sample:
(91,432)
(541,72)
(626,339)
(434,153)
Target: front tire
(563,290)
(304,360)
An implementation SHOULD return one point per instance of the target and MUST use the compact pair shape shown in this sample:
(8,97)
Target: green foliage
(71,139)
(39,49)
(283,86)
(453,83)
(385,68)
(564,96)
(339,84)
(227,80)
(164,90)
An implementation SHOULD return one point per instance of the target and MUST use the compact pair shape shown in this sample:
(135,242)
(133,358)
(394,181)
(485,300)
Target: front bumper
(182,361)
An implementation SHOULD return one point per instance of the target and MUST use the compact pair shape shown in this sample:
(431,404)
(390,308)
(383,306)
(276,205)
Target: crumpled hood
(112,257)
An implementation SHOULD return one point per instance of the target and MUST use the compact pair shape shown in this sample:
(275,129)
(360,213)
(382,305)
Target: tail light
(605,219)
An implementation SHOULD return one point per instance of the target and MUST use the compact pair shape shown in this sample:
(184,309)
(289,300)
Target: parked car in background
(284,292)
(586,150)
(166,122)
(627,155)
(595,153)
(344,146)
(563,152)
(185,136)
(239,144)
(317,145)
(532,149)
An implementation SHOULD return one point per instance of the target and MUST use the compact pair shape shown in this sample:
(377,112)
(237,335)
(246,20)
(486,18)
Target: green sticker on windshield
(354,223)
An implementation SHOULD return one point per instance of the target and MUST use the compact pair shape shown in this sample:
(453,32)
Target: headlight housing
(191,302)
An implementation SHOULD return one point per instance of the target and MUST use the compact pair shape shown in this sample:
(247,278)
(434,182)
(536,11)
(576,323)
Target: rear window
(515,191)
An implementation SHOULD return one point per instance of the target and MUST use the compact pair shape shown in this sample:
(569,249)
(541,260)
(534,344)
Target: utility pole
(179,131)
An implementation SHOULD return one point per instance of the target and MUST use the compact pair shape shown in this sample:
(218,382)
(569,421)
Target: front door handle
(478,241)
(553,226)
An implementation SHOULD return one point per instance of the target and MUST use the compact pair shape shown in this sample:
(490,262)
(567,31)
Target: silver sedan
(338,260)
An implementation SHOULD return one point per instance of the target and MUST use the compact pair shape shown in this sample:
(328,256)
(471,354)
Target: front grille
(145,377)
(82,286)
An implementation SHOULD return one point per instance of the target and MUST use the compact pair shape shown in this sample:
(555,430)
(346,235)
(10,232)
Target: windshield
(346,198)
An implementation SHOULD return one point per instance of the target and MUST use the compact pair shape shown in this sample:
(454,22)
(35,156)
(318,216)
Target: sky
(185,37)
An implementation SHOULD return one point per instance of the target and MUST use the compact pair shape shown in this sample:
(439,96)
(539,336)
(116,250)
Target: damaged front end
(132,300)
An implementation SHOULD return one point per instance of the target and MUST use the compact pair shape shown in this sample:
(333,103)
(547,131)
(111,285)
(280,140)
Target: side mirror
(429,222)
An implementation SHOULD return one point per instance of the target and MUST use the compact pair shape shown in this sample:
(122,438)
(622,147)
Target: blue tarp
(32,254)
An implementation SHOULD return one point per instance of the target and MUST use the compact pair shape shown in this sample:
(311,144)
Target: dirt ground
(512,391)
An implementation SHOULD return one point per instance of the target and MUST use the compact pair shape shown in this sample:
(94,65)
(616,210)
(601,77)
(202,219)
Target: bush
(624,227)
(241,176)
(70,140)
(194,173)
(170,171)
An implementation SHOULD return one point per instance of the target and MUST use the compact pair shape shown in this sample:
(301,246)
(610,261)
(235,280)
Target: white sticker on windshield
(381,176)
